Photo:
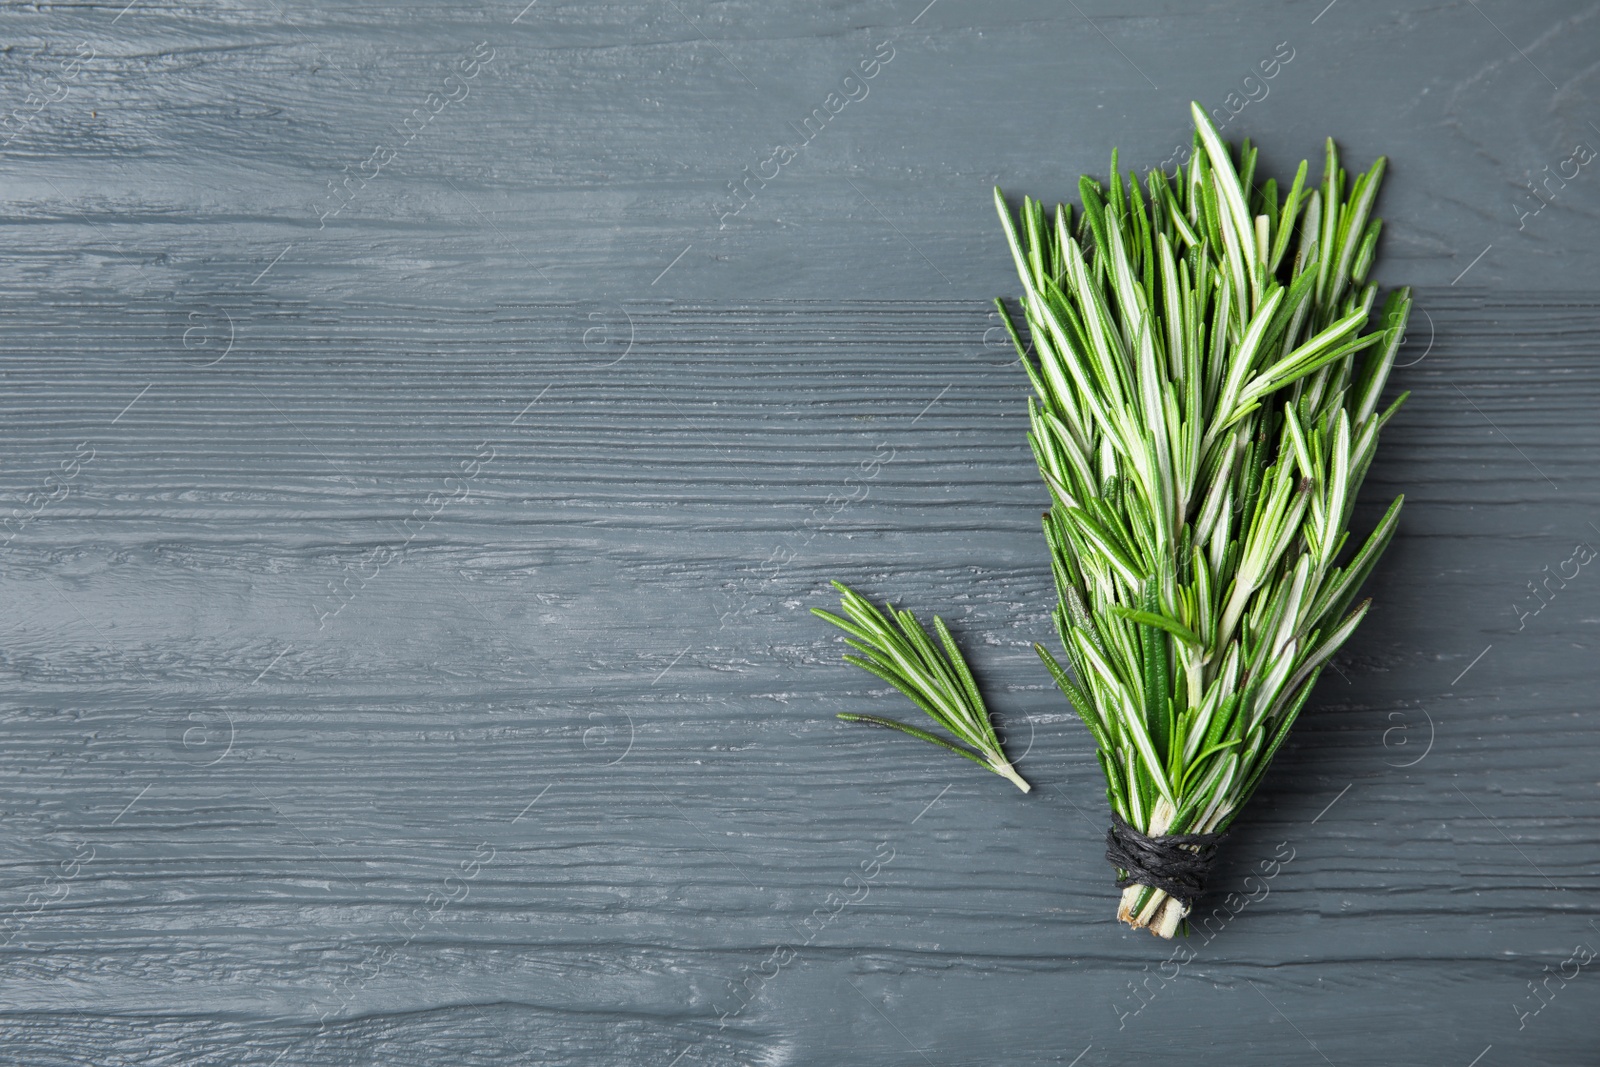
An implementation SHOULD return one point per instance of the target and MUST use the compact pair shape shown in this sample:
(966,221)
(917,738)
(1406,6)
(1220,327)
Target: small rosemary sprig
(937,681)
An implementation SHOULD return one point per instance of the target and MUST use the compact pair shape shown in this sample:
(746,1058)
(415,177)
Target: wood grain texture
(404,628)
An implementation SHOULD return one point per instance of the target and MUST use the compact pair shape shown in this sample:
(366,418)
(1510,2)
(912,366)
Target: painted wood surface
(415,502)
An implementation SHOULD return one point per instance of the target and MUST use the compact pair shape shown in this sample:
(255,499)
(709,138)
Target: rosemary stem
(1006,771)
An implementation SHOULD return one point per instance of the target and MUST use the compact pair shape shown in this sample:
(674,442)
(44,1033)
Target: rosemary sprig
(1203,423)
(937,680)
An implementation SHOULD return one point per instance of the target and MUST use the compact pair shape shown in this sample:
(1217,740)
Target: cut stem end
(1006,771)
(1151,909)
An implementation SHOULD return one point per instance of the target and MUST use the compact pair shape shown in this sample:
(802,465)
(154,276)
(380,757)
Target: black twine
(1175,863)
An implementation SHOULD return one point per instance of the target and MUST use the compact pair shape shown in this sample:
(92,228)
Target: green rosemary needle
(937,680)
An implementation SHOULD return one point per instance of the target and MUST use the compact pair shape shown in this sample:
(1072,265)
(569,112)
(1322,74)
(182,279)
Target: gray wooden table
(425,428)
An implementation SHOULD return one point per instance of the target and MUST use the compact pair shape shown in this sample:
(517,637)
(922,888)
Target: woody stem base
(1151,909)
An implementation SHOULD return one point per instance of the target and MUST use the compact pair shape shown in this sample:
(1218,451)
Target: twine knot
(1174,863)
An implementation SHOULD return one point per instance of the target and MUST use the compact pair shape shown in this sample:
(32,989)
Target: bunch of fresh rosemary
(1205,408)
